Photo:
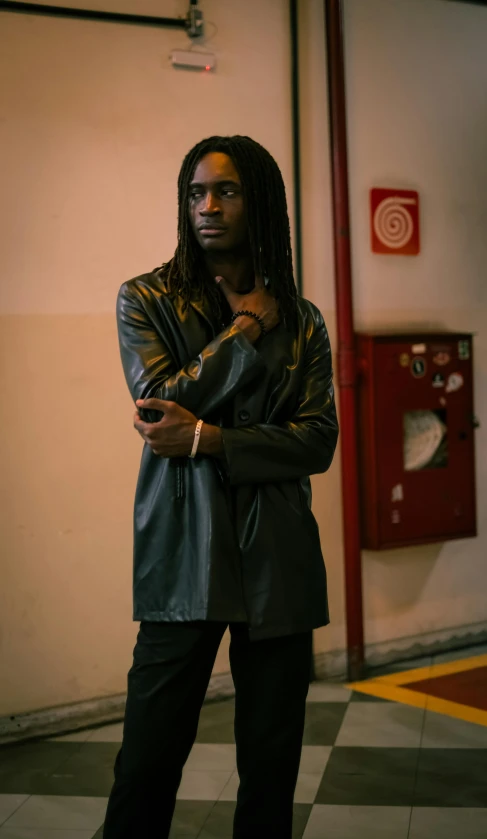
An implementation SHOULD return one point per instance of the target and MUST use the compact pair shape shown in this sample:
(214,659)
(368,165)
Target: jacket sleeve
(221,369)
(304,445)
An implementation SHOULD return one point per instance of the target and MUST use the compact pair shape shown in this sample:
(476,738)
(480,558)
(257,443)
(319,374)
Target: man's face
(216,205)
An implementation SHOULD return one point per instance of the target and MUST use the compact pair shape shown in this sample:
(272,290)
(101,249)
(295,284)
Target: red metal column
(347,365)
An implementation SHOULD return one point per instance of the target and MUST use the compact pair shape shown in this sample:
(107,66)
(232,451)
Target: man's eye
(196,194)
(229,192)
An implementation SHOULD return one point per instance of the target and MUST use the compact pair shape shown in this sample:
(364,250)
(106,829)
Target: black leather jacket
(234,539)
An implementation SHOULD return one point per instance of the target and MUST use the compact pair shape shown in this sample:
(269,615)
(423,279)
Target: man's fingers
(156,404)
(141,426)
(223,285)
(144,430)
(226,288)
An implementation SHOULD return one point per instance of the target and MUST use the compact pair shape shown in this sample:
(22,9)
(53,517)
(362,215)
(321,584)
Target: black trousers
(166,688)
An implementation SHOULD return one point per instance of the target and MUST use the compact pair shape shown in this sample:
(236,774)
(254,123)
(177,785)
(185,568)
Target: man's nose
(211,205)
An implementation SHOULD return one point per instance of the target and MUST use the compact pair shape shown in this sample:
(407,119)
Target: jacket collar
(199,304)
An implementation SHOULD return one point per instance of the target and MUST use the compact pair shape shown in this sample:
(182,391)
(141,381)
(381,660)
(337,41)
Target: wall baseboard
(331,665)
(50,722)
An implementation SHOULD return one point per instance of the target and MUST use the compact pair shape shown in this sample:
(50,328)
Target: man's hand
(259,300)
(173,435)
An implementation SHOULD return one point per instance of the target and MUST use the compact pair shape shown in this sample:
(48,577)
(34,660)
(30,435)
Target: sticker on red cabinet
(418,367)
(397,493)
(404,359)
(455,382)
(441,358)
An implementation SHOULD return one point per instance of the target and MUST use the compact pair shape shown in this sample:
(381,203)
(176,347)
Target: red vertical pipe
(347,364)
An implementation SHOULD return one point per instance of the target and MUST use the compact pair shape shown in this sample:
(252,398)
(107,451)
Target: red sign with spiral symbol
(394,215)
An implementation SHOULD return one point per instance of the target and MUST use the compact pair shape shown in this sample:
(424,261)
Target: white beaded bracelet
(197,434)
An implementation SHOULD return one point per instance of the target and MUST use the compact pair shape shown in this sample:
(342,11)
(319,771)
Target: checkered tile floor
(370,770)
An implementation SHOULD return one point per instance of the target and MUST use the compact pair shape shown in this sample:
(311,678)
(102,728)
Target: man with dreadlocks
(231,375)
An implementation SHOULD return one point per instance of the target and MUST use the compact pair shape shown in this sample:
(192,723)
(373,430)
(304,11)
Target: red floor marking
(468,687)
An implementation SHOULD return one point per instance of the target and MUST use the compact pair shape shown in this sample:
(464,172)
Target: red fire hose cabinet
(416,438)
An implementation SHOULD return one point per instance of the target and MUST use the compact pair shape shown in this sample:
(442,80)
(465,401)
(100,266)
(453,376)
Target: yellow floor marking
(390,687)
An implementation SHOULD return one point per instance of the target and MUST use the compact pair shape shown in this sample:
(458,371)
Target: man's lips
(212,228)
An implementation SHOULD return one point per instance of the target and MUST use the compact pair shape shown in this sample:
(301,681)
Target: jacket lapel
(199,325)
(203,310)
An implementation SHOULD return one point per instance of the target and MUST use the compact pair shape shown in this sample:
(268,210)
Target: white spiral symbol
(393,224)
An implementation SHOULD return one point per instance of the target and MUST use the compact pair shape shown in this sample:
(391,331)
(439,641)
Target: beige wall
(416,74)
(96,124)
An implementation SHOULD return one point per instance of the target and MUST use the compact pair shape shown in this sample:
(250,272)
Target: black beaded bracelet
(248,314)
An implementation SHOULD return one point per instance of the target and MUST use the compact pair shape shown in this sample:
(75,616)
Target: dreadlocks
(268,224)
